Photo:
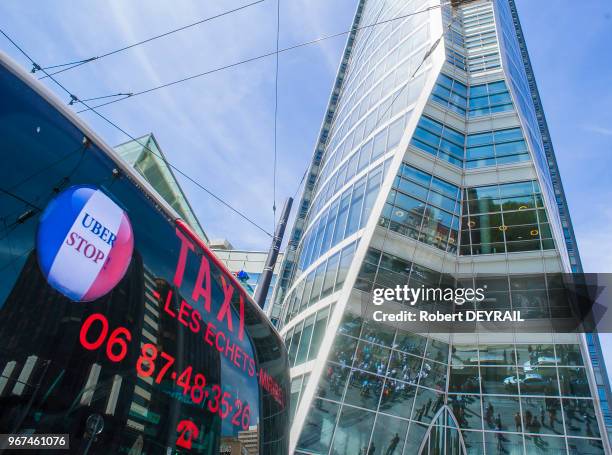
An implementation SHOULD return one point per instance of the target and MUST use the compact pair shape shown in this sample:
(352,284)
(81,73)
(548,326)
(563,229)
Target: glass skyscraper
(433,159)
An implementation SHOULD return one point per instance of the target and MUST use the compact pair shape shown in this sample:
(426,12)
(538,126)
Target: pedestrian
(528,418)
(517,421)
(552,417)
(393,445)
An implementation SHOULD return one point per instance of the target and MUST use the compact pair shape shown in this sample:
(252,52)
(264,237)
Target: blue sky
(219,128)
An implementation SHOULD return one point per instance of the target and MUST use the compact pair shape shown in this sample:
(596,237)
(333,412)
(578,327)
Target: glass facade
(507,397)
(463,190)
(423,207)
(504,218)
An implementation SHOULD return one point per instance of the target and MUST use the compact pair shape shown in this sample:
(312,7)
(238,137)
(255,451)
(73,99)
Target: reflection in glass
(467,410)
(371,357)
(353,431)
(464,380)
(426,404)
(504,443)
(580,418)
(499,380)
(540,415)
(364,390)
(333,381)
(574,382)
(538,381)
(342,350)
(473,442)
(388,435)
(397,398)
(319,426)
(544,444)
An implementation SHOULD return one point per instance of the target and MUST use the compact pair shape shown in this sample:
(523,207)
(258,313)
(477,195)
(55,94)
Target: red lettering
(237,355)
(182,260)
(99,256)
(70,241)
(78,248)
(167,305)
(89,251)
(251,367)
(209,332)
(219,345)
(196,319)
(229,349)
(202,284)
(184,310)
(228,291)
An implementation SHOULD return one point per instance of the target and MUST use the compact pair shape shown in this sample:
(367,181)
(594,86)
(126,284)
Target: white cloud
(598,129)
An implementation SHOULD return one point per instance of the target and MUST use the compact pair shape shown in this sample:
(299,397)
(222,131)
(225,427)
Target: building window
(504,218)
(439,140)
(495,147)
(491,98)
(451,94)
(424,208)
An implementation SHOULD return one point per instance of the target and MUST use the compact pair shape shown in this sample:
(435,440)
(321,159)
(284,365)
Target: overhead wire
(275,116)
(116,126)
(75,99)
(260,57)
(77,63)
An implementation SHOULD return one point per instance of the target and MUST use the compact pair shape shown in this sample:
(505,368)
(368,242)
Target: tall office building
(433,160)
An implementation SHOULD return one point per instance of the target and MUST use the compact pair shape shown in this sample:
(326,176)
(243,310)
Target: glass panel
(396,130)
(353,431)
(569,354)
(397,398)
(473,443)
(411,343)
(295,341)
(505,443)
(364,390)
(342,217)
(330,275)
(537,413)
(467,410)
(502,413)
(345,262)
(538,381)
(426,404)
(585,446)
(305,340)
(333,381)
(580,417)
(319,427)
(574,382)
(464,379)
(343,350)
(355,207)
(388,436)
(372,358)
(318,333)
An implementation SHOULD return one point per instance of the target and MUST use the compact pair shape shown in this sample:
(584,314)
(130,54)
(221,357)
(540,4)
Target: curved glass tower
(433,160)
